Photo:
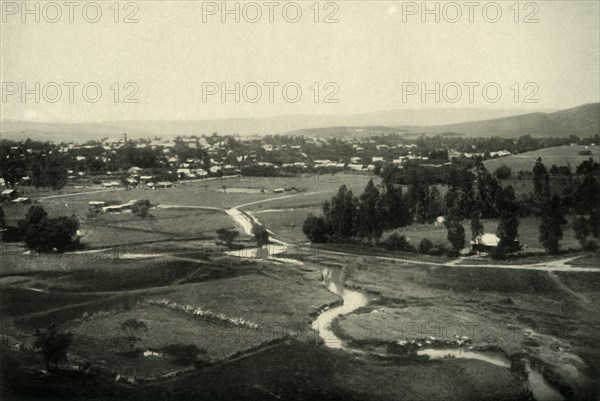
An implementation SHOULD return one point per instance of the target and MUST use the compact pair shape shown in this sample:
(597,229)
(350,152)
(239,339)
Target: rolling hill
(582,121)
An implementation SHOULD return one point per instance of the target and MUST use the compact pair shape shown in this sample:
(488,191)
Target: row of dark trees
(585,203)
(472,195)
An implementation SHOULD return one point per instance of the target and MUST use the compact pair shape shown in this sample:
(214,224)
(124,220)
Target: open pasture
(214,193)
(559,155)
(529,233)
(209,308)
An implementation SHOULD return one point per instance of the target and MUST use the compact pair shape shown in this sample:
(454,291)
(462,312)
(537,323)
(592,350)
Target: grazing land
(156,307)
(559,155)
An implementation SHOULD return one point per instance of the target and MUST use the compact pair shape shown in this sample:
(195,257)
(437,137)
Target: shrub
(438,250)
(141,207)
(133,325)
(315,229)
(261,235)
(183,354)
(590,245)
(425,245)
(397,242)
(227,236)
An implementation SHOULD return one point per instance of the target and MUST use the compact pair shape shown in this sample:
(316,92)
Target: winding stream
(539,386)
(333,279)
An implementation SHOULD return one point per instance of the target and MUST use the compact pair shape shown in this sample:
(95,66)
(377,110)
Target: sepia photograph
(309,200)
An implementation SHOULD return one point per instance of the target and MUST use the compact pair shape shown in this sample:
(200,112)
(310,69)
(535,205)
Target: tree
(477,228)
(35,215)
(43,234)
(454,217)
(551,227)
(588,167)
(227,236)
(487,189)
(396,212)
(418,192)
(508,229)
(370,213)
(540,179)
(456,234)
(2,219)
(435,205)
(587,195)
(141,207)
(63,231)
(425,246)
(53,345)
(587,203)
(582,230)
(315,229)
(503,172)
(50,170)
(261,235)
(341,215)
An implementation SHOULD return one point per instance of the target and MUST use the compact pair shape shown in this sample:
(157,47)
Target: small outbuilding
(488,242)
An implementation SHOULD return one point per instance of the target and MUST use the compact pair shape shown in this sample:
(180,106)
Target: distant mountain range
(582,121)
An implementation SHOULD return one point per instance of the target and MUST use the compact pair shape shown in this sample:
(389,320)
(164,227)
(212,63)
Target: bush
(425,246)
(315,229)
(133,325)
(397,242)
(227,236)
(590,245)
(183,354)
(261,235)
(438,250)
(141,207)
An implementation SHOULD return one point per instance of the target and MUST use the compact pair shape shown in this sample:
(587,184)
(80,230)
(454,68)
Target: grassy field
(301,371)
(245,306)
(240,328)
(118,229)
(529,233)
(214,193)
(552,317)
(239,305)
(559,155)
(288,223)
(591,260)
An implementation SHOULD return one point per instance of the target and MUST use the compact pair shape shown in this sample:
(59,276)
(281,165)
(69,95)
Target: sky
(172,59)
